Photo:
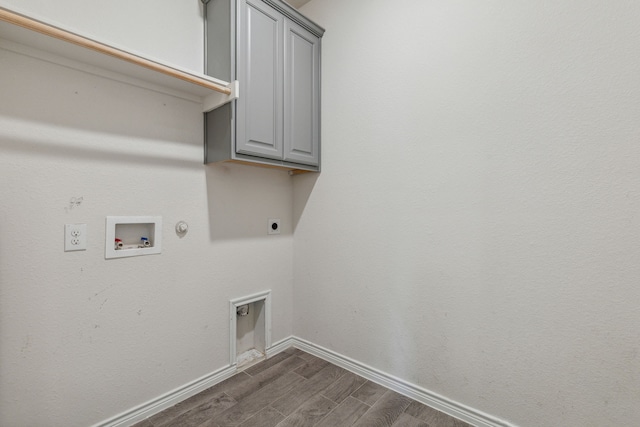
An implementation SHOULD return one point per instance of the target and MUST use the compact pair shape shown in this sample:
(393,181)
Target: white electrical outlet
(75,237)
(273,226)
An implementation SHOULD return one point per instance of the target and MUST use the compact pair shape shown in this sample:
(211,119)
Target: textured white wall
(84,338)
(475,228)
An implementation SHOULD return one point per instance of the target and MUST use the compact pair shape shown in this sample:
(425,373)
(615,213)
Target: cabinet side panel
(219,133)
(220,43)
(302,96)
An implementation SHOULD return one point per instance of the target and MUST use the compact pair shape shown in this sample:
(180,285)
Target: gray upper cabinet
(274,53)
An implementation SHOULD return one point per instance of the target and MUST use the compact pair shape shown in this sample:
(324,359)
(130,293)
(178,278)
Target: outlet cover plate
(75,237)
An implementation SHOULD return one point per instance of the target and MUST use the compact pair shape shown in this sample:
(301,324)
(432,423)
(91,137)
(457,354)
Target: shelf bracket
(216,99)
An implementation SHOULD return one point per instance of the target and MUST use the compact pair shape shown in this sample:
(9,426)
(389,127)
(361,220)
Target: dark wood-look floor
(295,388)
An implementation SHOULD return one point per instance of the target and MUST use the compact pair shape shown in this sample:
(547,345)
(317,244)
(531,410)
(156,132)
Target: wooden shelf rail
(66,36)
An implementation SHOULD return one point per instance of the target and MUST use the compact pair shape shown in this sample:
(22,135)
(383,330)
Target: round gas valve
(182,228)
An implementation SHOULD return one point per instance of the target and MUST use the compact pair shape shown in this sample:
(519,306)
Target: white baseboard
(169,399)
(173,397)
(280,346)
(434,400)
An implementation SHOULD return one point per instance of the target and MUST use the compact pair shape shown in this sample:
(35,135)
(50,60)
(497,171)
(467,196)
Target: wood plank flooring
(294,388)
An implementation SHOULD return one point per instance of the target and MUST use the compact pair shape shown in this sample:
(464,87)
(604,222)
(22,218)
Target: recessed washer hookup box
(132,236)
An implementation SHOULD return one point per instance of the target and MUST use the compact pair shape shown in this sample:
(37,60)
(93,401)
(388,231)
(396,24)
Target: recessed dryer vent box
(133,236)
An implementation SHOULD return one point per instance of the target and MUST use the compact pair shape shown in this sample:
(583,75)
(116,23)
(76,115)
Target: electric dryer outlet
(274,226)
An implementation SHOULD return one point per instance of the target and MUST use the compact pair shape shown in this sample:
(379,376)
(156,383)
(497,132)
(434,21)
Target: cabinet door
(260,72)
(302,96)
